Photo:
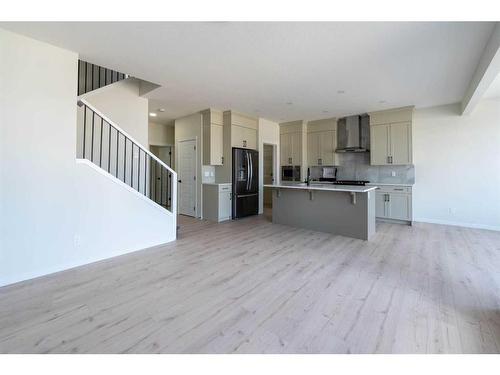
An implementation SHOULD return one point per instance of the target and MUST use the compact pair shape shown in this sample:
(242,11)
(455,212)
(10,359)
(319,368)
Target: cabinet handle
(222,159)
(320,161)
(398,189)
(390,158)
(244,143)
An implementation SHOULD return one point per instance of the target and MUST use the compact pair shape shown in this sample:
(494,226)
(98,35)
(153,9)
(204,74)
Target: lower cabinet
(217,202)
(394,202)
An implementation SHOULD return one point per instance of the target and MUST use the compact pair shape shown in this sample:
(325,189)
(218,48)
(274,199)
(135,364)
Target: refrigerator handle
(248,171)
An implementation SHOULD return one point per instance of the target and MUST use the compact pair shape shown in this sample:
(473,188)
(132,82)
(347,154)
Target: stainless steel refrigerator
(245,182)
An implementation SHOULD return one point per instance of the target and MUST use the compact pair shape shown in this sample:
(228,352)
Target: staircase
(114,151)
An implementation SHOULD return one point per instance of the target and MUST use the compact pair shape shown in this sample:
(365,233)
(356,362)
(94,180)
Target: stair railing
(108,146)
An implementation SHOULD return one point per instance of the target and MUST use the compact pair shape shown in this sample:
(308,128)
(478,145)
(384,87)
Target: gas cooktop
(351,182)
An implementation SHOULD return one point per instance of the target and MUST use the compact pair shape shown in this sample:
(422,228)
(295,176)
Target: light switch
(393,173)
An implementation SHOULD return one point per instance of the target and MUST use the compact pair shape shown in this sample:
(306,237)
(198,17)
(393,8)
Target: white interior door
(187,177)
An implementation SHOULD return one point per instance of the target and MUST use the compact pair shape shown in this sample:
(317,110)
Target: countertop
(388,184)
(216,183)
(324,187)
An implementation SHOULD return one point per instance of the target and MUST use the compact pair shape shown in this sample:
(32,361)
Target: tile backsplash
(356,166)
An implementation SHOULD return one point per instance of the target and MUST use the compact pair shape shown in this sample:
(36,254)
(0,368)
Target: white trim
(124,185)
(457,224)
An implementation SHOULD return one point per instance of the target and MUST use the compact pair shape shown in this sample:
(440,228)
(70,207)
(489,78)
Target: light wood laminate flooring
(249,286)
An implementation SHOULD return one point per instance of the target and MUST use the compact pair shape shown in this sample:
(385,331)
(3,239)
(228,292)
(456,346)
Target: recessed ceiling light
(340,92)
(325,111)
(289,103)
(152,114)
(381,101)
(161,109)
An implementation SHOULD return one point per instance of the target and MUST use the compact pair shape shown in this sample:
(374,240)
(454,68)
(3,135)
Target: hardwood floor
(249,286)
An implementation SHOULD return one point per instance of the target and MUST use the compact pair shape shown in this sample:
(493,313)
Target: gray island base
(344,210)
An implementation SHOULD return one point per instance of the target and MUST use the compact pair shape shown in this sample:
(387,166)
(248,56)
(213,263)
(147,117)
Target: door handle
(180,181)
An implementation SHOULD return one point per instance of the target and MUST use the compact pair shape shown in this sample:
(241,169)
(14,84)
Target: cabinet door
(400,146)
(216,144)
(399,206)
(327,147)
(284,149)
(379,144)
(380,205)
(313,149)
(296,146)
(237,136)
(224,205)
(250,136)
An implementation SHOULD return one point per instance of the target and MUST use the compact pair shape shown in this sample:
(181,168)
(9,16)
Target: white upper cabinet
(243,131)
(292,143)
(322,142)
(391,137)
(212,137)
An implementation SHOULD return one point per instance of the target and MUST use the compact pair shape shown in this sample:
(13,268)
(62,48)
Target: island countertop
(323,187)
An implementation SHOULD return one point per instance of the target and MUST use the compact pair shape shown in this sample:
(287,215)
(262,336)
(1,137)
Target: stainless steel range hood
(353,134)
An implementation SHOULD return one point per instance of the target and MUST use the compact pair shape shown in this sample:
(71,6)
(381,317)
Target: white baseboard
(457,224)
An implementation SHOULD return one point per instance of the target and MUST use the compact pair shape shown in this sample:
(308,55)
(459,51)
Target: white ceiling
(494,90)
(258,68)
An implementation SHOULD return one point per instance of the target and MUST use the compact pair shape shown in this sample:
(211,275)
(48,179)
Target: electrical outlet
(393,173)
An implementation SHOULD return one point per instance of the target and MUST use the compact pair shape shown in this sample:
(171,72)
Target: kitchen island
(338,209)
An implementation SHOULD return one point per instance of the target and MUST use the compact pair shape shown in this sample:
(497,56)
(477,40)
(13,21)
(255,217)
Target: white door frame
(177,159)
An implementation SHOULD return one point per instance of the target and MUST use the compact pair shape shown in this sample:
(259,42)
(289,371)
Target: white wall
(457,165)
(161,134)
(55,213)
(121,103)
(186,128)
(269,132)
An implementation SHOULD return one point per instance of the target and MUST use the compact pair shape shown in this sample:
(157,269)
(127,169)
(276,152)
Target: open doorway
(163,191)
(268,176)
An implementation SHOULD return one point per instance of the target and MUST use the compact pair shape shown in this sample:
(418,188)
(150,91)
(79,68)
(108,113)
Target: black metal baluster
(92,77)
(139,172)
(92,142)
(99,78)
(132,165)
(85,90)
(161,185)
(145,172)
(150,176)
(109,147)
(125,160)
(100,146)
(84,127)
(117,148)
